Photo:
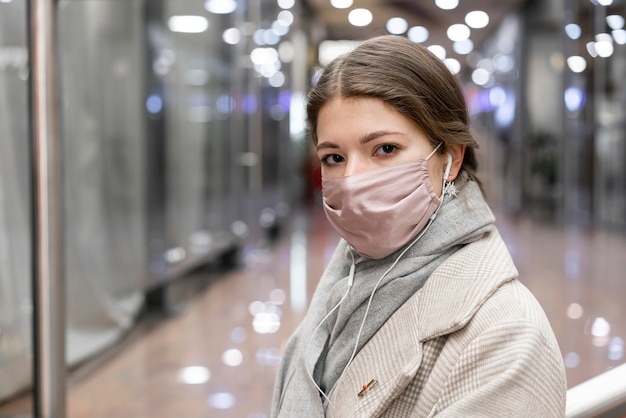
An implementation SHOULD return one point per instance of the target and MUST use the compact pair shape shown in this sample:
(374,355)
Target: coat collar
(446,303)
(457,289)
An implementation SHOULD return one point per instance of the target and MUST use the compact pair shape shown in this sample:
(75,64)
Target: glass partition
(104,145)
(15,204)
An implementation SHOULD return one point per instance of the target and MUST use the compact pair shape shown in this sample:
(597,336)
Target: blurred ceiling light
(232,36)
(477,19)
(497,96)
(263,56)
(574,310)
(397,25)
(154,104)
(447,4)
(486,64)
(620,36)
(360,17)
(188,24)
(573,31)
(605,2)
(438,50)
(463,47)
(341,4)
(286,4)
(503,62)
(258,37)
(194,375)
(256,307)
(616,349)
(604,45)
(285,17)
(591,49)
(571,360)
(278,296)
(222,400)
(615,21)
(277,79)
(600,327)
(576,63)
(418,34)
(574,98)
(458,32)
(270,37)
(480,76)
(266,323)
(279,28)
(232,357)
(220,7)
(453,64)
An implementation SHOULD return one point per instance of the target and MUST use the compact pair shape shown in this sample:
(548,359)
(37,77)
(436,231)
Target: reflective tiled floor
(215,355)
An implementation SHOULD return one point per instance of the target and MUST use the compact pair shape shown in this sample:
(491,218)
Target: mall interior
(162,223)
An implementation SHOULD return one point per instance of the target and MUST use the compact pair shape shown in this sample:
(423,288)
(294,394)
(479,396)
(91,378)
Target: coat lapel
(391,358)
(460,286)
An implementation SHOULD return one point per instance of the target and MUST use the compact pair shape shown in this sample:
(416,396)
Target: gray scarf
(462,219)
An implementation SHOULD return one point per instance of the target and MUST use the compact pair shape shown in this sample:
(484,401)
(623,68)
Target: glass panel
(101,46)
(15,207)
(193,79)
(610,115)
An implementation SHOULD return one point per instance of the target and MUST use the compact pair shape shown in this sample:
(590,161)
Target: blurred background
(192,230)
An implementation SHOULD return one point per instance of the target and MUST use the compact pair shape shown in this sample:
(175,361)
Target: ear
(457,151)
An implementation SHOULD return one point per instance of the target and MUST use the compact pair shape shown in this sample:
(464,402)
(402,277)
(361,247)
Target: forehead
(354,109)
(343,118)
(356,122)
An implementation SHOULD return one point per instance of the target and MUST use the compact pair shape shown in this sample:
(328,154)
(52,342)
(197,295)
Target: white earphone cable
(345,295)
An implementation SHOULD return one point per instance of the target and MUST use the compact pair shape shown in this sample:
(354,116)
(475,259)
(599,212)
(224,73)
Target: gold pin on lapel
(366,387)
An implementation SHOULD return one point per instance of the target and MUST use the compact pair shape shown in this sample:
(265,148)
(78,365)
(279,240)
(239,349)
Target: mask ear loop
(345,295)
(444,188)
(433,151)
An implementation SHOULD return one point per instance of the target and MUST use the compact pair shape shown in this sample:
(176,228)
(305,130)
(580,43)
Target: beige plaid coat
(473,342)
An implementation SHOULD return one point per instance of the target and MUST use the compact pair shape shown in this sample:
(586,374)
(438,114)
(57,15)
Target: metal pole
(49,380)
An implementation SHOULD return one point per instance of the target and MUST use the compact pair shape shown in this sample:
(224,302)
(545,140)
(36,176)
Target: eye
(386,149)
(331,159)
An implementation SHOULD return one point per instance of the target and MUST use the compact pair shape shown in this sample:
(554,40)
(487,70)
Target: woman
(419,312)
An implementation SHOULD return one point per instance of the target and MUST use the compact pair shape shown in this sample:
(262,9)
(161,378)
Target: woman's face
(361,134)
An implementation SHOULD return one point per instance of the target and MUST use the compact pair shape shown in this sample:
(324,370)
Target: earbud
(448,167)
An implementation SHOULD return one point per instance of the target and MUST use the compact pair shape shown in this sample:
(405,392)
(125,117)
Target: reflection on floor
(216,357)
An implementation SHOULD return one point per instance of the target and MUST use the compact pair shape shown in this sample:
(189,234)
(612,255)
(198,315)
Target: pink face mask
(378,211)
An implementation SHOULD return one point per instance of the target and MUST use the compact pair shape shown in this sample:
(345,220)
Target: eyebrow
(363,140)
